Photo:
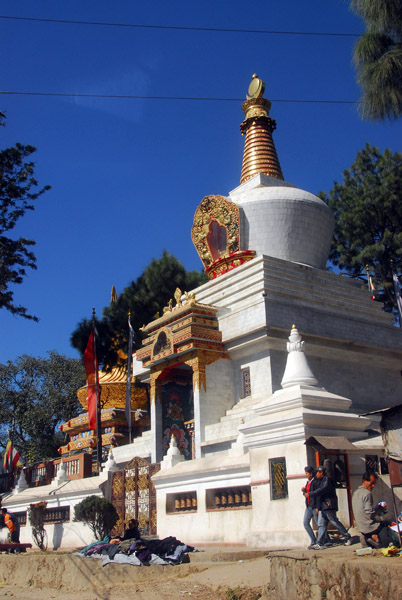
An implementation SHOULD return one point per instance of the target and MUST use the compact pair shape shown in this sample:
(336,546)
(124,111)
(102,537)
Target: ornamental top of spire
(259,149)
(256,88)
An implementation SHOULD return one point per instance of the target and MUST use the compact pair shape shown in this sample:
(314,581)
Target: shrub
(36,514)
(98,513)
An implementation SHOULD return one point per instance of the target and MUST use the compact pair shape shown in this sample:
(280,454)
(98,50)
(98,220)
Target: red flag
(91,367)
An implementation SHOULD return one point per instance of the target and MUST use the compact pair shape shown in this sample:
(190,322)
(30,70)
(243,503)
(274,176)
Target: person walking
(328,506)
(311,504)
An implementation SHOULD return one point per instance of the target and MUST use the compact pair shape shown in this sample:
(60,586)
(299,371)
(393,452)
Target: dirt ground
(87,580)
(221,575)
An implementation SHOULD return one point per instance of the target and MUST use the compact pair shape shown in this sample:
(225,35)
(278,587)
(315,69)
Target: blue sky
(128,174)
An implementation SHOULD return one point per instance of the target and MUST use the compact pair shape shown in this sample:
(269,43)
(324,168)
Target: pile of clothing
(139,552)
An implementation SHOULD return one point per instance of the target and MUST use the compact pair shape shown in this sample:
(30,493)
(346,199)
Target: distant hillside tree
(36,395)
(368,216)
(17,195)
(144,298)
(378,58)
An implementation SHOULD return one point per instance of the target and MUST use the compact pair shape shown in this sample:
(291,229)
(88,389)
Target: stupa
(264,247)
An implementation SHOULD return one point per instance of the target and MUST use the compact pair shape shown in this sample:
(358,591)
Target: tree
(144,298)
(36,395)
(17,182)
(378,58)
(98,513)
(368,219)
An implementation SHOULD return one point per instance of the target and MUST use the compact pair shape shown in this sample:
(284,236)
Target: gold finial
(259,149)
(256,88)
(113,295)
(294,326)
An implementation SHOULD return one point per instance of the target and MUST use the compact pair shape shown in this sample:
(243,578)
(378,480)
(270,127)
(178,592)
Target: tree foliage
(98,513)
(36,395)
(378,58)
(17,195)
(368,217)
(144,298)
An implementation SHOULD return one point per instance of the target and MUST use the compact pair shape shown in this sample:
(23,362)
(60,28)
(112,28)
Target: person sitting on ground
(328,506)
(311,511)
(12,526)
(132,533)
(370,519)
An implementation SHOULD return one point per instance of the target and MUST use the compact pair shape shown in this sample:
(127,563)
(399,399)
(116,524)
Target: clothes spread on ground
(139,551)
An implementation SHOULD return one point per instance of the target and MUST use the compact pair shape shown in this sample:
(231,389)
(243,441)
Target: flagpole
(98,409)
(397,291)
(128,383)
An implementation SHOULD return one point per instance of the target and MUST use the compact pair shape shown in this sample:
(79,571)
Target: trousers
(309,514)
(324,517)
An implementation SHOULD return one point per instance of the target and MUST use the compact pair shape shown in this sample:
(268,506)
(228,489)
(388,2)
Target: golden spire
(113,295)
(259,149)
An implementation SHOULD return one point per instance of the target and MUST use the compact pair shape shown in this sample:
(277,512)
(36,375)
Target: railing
(77,467)
(6,482)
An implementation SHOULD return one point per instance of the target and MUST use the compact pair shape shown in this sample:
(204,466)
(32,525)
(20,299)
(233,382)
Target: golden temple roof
(259,149)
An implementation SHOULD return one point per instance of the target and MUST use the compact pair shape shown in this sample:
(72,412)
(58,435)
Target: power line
(140,97)
(181,28)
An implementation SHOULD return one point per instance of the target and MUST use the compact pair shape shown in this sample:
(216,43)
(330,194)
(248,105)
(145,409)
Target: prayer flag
(371,287)
(91,368)
(12,458)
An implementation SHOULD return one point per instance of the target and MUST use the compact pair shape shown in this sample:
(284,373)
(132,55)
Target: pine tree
(378,58)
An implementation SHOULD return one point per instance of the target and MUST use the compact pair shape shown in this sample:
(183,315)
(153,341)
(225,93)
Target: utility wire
(139,97)
(180,28)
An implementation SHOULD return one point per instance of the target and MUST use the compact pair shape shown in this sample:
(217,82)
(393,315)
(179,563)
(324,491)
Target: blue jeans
(309,514)
(324,517)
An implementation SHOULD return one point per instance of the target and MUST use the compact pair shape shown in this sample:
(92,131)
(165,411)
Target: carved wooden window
(377,464)
(58,514)
(245,383)
(21,517)
(279,484)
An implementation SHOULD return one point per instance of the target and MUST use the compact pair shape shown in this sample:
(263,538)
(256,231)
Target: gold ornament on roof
(256,88)
(177,297)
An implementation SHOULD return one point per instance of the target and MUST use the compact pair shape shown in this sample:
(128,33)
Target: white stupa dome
(280,220)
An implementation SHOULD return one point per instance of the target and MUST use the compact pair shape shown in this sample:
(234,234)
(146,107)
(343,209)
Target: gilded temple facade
(114,425)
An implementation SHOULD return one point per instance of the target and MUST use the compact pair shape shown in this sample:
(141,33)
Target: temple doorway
(134,496)
(176,410)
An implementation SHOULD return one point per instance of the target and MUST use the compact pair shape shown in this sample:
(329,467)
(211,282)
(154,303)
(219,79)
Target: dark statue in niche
(162,343)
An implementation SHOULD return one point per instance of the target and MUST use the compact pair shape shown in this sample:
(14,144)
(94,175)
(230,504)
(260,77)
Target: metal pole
(98,408)
(128,384)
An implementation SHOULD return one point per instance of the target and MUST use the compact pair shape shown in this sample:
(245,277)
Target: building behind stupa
(258,372)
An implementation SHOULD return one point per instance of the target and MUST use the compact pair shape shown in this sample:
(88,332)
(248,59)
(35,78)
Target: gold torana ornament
(259,149)
(216,235)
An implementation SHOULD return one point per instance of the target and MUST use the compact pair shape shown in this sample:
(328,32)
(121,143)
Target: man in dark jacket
(328,506)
